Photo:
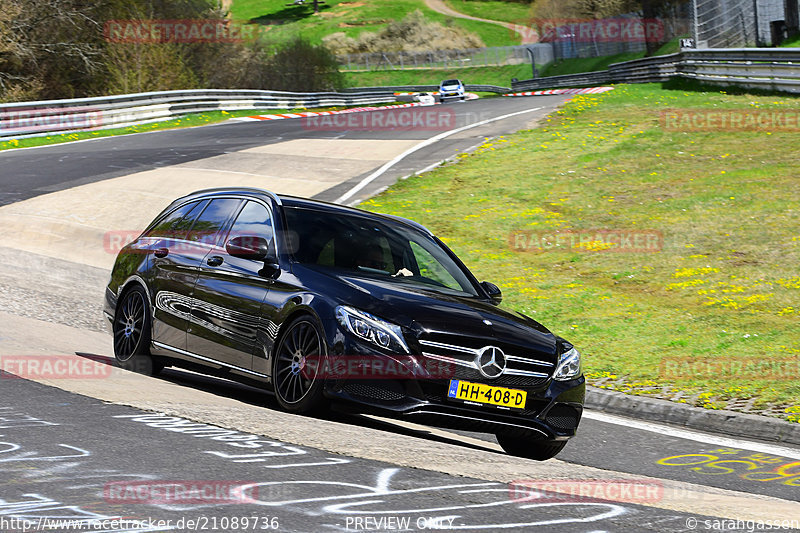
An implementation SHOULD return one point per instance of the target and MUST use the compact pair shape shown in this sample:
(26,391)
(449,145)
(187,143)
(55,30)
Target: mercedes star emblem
(491,361)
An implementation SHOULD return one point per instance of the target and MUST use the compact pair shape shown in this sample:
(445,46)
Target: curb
(729,423)
(589,90)
(280,116)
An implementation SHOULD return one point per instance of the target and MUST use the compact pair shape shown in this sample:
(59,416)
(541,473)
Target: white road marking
(729,442)
(372,177)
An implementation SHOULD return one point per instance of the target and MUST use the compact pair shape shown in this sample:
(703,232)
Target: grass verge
(719,299)
(794,42)
(351,17)
(514,12)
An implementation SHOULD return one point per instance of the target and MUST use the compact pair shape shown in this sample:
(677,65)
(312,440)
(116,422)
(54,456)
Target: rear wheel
(537,449)
(132,334)
(296,387)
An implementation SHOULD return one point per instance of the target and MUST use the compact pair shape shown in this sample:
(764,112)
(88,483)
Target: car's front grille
(563,417)
(504,380)
(519,371)
(364,390)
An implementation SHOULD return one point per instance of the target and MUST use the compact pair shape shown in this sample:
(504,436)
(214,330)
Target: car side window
(182,227)
(169,225)
(254,219)
(212,220)
(431,269)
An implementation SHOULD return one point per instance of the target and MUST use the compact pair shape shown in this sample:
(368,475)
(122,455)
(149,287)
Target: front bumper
(552,411)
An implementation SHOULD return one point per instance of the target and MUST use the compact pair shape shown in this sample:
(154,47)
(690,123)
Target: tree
(301,66)
(50,49)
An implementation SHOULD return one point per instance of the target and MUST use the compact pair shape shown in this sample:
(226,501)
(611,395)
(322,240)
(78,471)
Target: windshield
(362,246)
(451,82)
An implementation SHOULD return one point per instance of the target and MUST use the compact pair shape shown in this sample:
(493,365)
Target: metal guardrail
(30,119)
(27,119)
(776,69)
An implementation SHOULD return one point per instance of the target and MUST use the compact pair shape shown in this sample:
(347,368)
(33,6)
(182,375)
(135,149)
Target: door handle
(161,252)
(214,261)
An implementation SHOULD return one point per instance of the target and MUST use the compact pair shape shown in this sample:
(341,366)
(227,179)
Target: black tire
(296,388)
(132,328)
(529,448)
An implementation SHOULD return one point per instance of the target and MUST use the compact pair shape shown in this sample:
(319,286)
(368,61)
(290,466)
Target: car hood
(442,317)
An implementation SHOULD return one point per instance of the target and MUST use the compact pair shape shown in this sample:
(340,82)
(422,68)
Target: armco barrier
(27,119)
(776,69)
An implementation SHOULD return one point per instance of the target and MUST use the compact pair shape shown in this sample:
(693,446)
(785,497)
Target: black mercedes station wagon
(327,305)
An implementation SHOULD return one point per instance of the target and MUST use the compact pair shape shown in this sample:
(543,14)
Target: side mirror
(493,291)
(248,247)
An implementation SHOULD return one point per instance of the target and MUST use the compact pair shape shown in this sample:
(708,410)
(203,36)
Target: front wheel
(297,360)
(537,449)
(132,334)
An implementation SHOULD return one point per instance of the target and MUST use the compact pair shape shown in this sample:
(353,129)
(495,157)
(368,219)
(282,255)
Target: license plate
(487,394)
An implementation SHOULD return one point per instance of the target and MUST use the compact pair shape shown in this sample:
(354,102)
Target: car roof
(297,201)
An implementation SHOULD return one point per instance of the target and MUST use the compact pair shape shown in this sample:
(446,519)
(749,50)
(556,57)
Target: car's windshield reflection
(383,250)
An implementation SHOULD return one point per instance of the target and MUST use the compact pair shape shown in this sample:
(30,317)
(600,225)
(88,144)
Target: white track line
(372,177)
(729,442)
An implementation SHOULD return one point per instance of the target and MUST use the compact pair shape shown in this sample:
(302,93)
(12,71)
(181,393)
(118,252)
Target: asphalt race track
(76,447)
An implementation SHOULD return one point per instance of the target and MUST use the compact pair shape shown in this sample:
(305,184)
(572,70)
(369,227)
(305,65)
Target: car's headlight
(569,365)
(372,329)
